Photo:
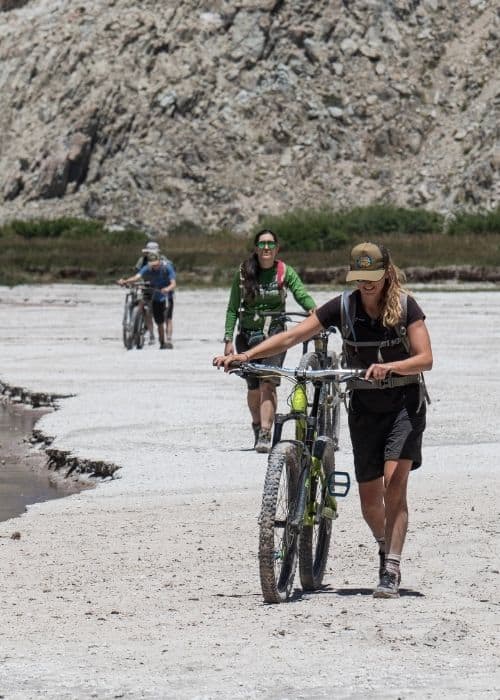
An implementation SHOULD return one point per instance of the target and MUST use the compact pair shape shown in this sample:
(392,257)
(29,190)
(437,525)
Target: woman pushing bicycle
(256,300)
(383,330)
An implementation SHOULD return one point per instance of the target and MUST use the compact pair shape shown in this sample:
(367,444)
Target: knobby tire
(128,328)
(139,326)
(315,539)
(277,542)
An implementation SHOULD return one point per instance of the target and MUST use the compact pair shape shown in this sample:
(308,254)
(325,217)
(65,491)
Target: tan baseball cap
(368,262)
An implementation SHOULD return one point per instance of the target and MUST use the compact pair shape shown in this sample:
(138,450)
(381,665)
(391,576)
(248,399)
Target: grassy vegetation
(72,249)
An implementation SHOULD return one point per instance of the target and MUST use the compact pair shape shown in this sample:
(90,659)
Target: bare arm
(274,345)
(420,360)
(171,286)
(129,280)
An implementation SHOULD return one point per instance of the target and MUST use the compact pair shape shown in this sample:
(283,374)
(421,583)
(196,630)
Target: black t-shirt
(369,330)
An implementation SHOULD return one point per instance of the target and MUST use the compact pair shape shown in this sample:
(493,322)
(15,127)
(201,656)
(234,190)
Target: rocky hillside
(214,112)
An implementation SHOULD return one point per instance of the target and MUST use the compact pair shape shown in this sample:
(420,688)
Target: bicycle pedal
(339,484)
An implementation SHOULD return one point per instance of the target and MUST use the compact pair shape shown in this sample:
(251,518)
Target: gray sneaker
(264,441)
(388,586)
(151,339)
(169,344)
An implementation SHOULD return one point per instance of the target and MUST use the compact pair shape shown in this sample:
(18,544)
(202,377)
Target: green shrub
(126,237)
(325,229)
(380,219)
(305,229)
(478,223)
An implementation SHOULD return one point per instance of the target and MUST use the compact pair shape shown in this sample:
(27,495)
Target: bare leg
(371,494)
(161,333)
(396,505)
(268,403)
(169,328)
(253,401)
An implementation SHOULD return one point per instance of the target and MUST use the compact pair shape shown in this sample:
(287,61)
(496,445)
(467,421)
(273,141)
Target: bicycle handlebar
(137,285)
(340,375)
(283,314)
(287,316)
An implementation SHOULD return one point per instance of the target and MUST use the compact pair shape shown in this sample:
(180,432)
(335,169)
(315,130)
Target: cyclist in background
(150,247)
(161,276)
(259,287)
(386,415)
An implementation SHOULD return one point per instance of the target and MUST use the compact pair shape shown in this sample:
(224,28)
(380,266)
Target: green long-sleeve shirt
(269,298)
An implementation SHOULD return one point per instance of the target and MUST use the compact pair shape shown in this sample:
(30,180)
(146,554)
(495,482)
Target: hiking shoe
(388,586)
(256,431)
(169,345)
(264,441)
(381,565)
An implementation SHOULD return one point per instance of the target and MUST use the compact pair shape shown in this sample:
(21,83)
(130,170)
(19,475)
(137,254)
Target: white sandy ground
(147,586)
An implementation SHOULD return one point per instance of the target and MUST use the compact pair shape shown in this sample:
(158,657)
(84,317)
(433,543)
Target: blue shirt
(158,279)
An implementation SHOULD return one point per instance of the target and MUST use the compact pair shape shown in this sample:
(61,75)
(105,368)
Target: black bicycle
(301,398)
(137,306)
(300,490)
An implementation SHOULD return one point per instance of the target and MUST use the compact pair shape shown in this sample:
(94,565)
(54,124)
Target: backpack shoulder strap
(280,273)
(347,313)
(400,327)
(242,295)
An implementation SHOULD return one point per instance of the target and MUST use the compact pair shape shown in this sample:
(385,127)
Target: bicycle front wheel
(139,327)
(317,529)
(128,328)
(277,539)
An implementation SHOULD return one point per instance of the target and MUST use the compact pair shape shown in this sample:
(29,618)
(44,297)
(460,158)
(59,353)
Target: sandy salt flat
(147,586)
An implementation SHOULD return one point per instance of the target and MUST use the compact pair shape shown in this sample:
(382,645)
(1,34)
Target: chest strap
(388,383)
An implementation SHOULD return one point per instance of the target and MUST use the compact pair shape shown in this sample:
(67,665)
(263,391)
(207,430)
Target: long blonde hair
(391,300)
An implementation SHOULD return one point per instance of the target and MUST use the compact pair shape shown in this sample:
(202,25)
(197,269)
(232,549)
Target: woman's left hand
(378,371)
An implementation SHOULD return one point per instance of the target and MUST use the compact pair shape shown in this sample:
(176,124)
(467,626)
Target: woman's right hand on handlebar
(225,361)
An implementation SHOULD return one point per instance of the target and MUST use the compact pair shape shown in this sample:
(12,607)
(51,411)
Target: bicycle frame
(312,452)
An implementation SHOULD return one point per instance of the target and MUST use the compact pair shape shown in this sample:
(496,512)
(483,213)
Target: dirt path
(147,587)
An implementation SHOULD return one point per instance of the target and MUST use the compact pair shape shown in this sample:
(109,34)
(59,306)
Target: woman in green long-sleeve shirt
(259,288)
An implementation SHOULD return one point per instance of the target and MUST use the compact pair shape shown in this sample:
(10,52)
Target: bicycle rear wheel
(316,532)
(308,361)
(277,541)
(139,327)
(329,409)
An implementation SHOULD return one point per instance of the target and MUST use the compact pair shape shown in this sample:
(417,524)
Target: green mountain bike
(300,489)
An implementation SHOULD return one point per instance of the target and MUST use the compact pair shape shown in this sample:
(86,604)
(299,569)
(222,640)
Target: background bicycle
(301,397)
(300,489)
(136,307)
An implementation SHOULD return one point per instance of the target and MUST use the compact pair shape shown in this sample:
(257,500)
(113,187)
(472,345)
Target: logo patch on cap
(363,262)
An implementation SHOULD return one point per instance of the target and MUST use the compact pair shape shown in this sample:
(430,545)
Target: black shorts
(252,381)
(378,437)
(163,310)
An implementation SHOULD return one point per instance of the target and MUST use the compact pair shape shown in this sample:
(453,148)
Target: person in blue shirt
(161,276)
